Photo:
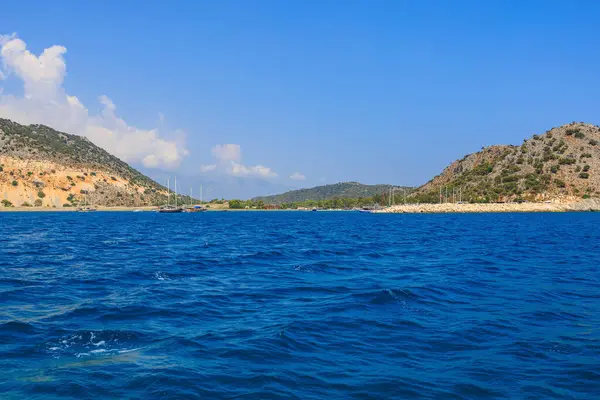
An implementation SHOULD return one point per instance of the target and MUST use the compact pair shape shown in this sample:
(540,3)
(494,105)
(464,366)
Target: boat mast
(168,190)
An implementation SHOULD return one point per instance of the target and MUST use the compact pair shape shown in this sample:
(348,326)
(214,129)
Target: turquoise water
(303,305)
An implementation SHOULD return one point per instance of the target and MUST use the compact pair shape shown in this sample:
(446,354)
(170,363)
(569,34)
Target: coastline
(70,209)
(455,208)
(444,208)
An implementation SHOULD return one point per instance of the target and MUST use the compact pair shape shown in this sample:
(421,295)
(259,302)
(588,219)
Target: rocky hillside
(562,164)
(43,167)
(327,192)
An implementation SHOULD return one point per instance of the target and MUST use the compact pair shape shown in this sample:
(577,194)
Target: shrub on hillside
(593,142)
(579,135)
(586,168)
(566,161)
(559,183)
(41,194)
(37,203)
(571,132)
(6,203)
(584,175)
(25,204)
(15,183)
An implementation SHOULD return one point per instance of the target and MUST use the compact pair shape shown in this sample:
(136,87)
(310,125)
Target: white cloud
(208,167)
(45,101)
(257,170)
(227,152)
(297,176)
(229,158)
(6,38)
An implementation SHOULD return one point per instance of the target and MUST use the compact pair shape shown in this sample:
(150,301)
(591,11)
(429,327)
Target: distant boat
(195,209)
(314,209)
(85,207)
(137,210)
(170,208)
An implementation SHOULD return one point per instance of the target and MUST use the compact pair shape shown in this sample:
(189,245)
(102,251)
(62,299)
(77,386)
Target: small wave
(88,343)
(264,254)
(320,267)
(161,276)
(386,296)
(14,331)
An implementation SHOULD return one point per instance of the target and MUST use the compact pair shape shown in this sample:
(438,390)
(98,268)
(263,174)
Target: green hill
(562,163)
(327,192)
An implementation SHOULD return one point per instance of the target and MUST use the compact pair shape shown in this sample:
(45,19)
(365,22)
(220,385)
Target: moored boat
(170,209)
(85,207)
(195,209)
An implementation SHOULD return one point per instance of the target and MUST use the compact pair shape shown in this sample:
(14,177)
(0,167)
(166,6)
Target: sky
(258,97)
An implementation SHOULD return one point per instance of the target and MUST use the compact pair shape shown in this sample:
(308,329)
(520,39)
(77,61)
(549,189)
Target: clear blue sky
(372,91)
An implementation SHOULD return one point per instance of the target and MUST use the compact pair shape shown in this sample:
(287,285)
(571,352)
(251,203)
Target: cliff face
(44,167)
(562,164)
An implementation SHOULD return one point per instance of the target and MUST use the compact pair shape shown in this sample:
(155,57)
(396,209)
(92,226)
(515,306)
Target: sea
(299,305)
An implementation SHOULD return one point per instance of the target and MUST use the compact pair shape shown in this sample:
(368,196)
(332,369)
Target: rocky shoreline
(585,205)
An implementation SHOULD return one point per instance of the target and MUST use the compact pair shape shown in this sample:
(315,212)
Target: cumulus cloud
(45,101)
(297,176)
(227,152)
(208,167)
(228,157)
(257,170)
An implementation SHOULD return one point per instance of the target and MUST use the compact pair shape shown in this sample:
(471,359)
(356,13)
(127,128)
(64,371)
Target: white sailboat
(170,208)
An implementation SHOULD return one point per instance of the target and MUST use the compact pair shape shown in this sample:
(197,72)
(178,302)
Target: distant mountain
(563,163)
(41,166)
(326,192)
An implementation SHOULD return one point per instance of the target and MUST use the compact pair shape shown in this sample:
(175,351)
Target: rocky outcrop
(43,167)
(564,162)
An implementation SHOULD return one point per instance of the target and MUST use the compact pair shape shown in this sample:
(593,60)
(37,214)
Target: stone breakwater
(588,205)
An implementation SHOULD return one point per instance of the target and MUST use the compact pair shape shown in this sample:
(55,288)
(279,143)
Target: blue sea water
(264,305)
